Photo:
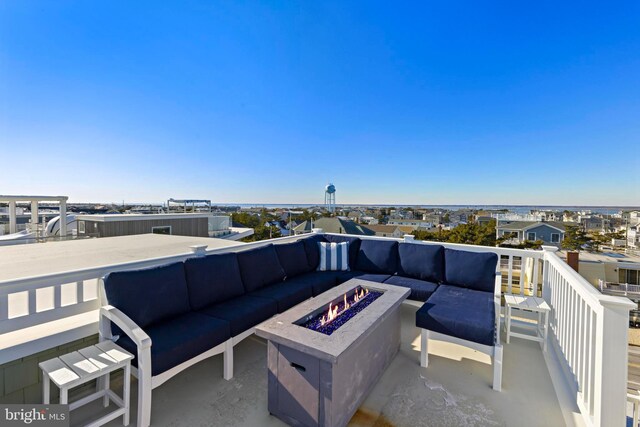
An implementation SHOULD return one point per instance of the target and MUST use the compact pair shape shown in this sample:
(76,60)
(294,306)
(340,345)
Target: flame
(333,312)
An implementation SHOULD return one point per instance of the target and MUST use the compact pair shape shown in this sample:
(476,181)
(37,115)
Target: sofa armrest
(497,302)
(109,313)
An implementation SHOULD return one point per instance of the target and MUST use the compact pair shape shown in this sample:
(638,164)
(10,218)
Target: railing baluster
(536,272)
(510,274)
(523,270)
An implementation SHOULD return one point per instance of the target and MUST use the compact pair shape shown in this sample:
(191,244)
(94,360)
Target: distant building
(386,230)
(180,224)
(550,232)
(339,225)
(415,223)
(633,237)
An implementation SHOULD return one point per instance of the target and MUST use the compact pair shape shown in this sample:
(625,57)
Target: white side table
(82,366)
(530,304)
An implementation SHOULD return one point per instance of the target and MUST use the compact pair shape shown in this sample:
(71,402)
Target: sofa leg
(497,368)
(424,351)
(228,359)
(144,388)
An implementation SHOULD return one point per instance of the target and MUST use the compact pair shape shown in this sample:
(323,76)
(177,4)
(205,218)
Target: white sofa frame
(146,382)
(495,351)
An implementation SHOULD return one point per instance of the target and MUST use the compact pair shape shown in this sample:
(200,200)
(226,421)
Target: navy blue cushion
(312,250)
(319,281)
(420,261)
(287,294)
(362,275)
(213,279)
(179,339)
(473,270)
(354,246)
(243,312)
(260,267)
(459,312)
(150,295)
(377,256)
(421,290)
(293,259)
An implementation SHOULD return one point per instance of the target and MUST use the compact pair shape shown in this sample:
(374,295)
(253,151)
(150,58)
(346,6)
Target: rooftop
(23,261)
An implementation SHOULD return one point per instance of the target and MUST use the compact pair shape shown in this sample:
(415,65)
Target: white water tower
(330,197)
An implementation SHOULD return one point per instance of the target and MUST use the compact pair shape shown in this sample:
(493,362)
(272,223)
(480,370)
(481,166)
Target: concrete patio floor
(455,390)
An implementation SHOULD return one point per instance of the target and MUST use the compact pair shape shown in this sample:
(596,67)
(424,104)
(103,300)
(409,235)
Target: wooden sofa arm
(109,313)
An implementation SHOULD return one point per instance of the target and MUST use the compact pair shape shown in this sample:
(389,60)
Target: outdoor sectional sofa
(176,315)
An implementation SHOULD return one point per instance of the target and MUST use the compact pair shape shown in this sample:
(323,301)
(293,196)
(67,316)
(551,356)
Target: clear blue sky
(423,102)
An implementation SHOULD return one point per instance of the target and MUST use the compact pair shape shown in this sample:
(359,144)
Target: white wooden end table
(82,366)
(533,305)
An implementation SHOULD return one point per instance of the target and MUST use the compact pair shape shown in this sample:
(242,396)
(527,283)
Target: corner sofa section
(176,315)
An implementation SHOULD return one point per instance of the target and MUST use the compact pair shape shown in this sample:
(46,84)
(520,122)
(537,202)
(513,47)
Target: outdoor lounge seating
(179,314)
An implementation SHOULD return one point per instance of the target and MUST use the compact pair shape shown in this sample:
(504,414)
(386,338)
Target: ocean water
(521,209)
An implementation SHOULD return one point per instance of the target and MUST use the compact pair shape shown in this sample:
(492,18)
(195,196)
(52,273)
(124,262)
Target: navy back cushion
(151,295)
(354,246)
(473,270)
(419,261)
(378,256)
(312,250)
(212,279)
(260,267)
(293,258)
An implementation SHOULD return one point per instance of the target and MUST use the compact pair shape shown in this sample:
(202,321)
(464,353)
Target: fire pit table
(325,354)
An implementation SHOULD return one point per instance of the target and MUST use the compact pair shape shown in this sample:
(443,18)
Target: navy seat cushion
(260,267)
(312,250)
(293,259)
(354,246)
(319,281)
(362,275)
(212,279)
(179,339)
(243,312)
(286,294)
(420,261)
(473,270)
(459,312)
(421,290)
(150,295)
(377,256)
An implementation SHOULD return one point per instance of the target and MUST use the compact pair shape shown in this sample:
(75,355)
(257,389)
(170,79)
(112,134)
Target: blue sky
(417,103)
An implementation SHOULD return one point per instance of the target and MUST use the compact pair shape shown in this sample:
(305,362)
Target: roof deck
(454,390)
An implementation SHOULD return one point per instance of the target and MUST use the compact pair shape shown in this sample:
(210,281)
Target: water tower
(330,197)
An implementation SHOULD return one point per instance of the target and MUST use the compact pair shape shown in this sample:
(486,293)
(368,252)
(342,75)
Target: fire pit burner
(339,311)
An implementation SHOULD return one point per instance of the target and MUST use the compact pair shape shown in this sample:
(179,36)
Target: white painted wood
(424,348)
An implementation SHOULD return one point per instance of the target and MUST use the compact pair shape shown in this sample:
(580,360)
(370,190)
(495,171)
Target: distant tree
(446,218)
(246,219)
(527,244)
(605,239)
(576,239)
(472,234)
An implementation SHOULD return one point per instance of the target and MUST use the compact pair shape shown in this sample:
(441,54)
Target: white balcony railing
(588,330)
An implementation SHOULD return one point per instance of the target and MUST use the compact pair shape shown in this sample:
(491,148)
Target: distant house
(339,225)
(386,230)
(414,223)
(549,232)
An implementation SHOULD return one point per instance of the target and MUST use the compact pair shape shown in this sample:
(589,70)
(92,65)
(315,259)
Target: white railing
(588,329)
(589,333)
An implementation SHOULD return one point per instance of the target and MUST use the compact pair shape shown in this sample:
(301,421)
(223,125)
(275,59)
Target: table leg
(126,392)
(46,387)
(105,388)
(64,396)
(508,322)
(546,329)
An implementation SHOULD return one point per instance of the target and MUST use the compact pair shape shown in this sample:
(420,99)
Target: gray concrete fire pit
(320,378)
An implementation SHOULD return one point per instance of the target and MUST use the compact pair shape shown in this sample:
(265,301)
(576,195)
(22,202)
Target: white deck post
(63,219)
(546,290)
(13,228)
(34,214)
(611,358)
